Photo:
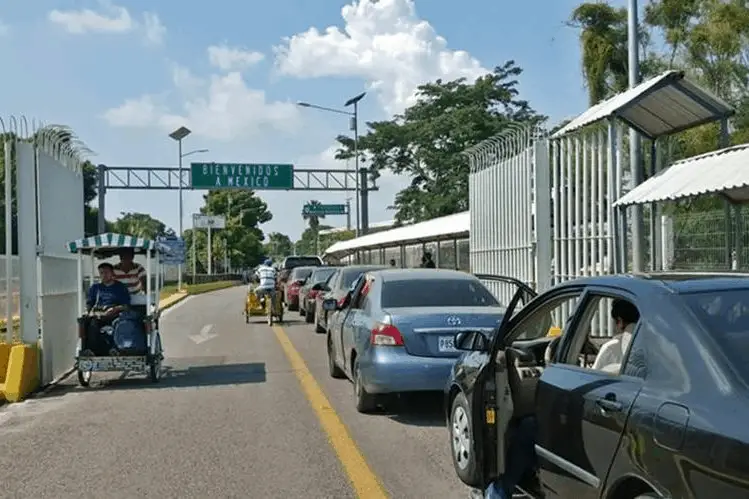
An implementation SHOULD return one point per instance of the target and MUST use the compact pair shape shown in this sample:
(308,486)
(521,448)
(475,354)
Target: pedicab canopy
(110,243)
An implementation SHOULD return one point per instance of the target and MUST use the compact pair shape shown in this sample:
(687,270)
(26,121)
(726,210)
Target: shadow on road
(191,376)
(419,409)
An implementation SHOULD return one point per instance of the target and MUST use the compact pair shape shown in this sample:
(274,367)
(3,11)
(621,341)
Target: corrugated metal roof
(725,171)
(437,228)
(663,105)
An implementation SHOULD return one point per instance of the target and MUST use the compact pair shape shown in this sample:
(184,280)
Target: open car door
(494,408)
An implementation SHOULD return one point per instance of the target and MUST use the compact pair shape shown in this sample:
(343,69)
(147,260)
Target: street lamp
(354,126)
(178,135)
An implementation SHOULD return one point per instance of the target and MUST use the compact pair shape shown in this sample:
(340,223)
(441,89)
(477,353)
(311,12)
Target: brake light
(312,293)
(341,302)
(386,335)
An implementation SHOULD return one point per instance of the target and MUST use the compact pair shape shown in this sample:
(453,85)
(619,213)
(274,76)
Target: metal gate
(509,198)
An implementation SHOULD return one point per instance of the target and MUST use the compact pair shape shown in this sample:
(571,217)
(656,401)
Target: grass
(196,289)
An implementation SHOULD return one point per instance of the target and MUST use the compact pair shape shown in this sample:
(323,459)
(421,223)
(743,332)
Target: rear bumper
(393,370)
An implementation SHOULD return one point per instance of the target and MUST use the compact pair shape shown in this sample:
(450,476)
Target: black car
(337,286)
(309,290)
(668,419)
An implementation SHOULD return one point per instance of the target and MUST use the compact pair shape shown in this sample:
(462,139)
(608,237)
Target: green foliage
(278,246)
(241,241)
(426,142)
(313,219)
(140,225)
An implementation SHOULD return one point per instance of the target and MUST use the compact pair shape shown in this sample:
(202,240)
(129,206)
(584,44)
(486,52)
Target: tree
(278,246)
(426,141)
(244,213)
(140,225)
(313,218)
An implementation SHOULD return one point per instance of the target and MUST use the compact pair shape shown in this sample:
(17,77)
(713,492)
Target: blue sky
(123,74)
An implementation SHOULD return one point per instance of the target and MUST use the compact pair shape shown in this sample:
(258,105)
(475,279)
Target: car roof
(669,282)
(305,267)
(390,274)
(362,267)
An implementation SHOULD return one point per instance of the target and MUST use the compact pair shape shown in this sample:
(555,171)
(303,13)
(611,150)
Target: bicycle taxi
(134,333)
(255,307)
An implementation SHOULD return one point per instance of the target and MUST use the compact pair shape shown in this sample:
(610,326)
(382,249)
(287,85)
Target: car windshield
(321,275)
(436,293)
(351,275)
(301,273)
(303,261)
(725,315)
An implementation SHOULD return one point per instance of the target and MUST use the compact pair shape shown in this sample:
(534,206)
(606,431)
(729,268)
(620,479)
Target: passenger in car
(611,355)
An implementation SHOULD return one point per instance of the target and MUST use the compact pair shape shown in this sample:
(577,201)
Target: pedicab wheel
(84,378)
(154,371)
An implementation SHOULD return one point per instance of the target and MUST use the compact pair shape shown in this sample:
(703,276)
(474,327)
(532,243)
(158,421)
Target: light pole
(354,126)
(178,135)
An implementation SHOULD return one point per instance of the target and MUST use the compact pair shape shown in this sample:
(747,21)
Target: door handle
(609,405)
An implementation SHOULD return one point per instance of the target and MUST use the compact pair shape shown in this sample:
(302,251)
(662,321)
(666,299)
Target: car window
(303,261)
(725,316)
(547,318)
(598,343)
(301,273)
(436,293)
(351,275)
(321,275)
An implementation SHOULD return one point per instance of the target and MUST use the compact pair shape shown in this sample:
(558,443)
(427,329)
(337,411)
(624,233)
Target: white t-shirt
(267,276)
(611,354)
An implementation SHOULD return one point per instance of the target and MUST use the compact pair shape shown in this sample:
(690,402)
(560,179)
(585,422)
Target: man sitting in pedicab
(106,300)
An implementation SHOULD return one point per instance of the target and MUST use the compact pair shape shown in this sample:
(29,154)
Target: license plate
(446,344)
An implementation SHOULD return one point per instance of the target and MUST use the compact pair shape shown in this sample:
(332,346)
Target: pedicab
(133,335)
(255,307)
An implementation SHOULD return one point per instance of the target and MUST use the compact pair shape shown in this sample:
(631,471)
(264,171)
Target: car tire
(647,496)
(318,328)
(462,444)
(365,402)
(335,371)
(309,317)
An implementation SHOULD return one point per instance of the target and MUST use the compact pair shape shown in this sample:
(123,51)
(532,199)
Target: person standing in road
(392,262)
(427,262)
(130,273)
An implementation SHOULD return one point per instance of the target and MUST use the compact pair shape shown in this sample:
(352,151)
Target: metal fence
(508,191)
(10,294)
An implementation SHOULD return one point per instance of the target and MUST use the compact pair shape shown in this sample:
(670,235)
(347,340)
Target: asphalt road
(243,411)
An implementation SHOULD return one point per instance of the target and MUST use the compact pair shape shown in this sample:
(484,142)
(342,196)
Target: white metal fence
(10,294)
(509,204)
(42,176)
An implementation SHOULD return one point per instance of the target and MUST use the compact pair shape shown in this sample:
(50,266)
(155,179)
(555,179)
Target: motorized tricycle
(127,340)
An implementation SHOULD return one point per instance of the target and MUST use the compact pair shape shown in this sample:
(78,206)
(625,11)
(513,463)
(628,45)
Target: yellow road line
(365,482)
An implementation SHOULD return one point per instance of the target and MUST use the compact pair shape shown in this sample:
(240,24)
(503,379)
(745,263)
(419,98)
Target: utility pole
(634,143)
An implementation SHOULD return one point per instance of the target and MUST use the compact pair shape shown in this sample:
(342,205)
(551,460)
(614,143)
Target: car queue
(620,387)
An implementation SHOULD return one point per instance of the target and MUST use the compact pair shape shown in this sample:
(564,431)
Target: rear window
(300,273)
(725,315)
(321,275)
(436,293)
(302,261)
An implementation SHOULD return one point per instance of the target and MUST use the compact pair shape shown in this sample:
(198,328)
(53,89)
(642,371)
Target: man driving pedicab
(266,276)
(105,301)
(130,273)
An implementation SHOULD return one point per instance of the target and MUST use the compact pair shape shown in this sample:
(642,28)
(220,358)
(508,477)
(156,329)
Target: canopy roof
(111,241)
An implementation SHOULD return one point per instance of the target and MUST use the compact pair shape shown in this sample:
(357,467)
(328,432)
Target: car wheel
(462,443)
(365,402)
(333,369)
(318,328)
(646,496)
(309,317)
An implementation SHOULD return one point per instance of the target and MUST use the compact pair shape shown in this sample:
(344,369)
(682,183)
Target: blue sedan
(394,331)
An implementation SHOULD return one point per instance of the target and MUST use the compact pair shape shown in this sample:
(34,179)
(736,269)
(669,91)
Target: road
(243,411)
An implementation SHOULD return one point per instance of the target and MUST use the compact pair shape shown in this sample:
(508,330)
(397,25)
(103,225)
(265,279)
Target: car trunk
(429,331)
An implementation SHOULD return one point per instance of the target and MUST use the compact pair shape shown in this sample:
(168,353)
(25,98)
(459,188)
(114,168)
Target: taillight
(312,293)
(341,302)
(386,335)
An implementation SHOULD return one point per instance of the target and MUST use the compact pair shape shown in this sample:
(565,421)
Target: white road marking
(176,305)
(204,335)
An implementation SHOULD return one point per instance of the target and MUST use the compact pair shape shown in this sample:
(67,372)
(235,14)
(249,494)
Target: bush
(196,289)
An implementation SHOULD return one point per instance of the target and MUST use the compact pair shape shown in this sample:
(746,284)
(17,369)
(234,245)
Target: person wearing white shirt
(611,354)
(266,275)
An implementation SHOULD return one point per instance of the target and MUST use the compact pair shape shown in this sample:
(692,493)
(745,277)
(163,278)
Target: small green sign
(256,176)
(324,209)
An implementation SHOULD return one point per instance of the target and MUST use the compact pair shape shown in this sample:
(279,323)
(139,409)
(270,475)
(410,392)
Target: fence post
(26,166)
(543,214)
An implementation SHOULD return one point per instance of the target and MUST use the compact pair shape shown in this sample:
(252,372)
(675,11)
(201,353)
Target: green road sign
(257,176)
(324,209)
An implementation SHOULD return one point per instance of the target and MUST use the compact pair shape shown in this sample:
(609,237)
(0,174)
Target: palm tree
(314,217)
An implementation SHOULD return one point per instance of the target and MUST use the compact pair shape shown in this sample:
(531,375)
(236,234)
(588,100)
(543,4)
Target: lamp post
(178,135)
(354,126)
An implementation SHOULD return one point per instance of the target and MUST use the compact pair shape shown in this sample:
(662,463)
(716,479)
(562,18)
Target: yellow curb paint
(365,482)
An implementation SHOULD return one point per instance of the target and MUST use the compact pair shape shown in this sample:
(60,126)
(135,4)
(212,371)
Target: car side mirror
(471,341)
(330,305)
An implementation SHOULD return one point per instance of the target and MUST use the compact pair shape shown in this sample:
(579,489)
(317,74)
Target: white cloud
(384,42)
(153,29)
(221,107)
(112,19)
(233,59)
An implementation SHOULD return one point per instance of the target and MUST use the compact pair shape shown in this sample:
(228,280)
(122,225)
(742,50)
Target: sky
(124,74)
